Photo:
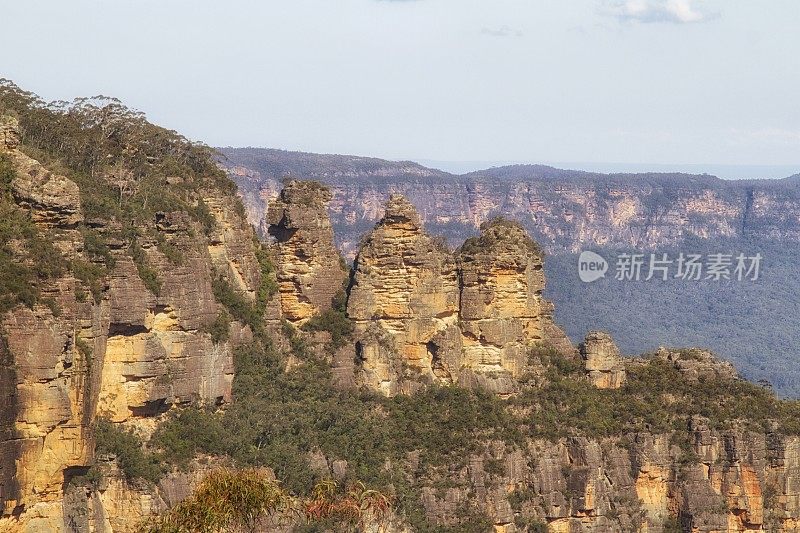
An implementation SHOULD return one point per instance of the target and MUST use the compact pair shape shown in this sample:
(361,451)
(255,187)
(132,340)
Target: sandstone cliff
(562,209)
(310,271)
(404,301)
(604,365)
(146,296)
(109,346)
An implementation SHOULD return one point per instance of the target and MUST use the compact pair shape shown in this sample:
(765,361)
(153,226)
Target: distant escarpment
(562,209)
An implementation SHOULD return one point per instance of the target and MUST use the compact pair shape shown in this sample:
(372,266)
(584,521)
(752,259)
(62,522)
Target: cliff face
(740,481)
(310,271)
(562,209)
(503,312)
(139,322)
(115,350)
(604,364)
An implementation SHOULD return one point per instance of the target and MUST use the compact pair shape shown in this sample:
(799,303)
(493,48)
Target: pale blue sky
(629,81)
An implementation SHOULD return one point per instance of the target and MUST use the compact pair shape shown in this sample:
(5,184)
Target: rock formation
(562,209)
(310,271)
(423,315)
(604,366)
(502,310)
(404,303)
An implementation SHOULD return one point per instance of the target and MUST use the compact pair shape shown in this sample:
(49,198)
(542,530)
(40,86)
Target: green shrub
(27,257)
(334,322)
(84,349)
(169,250)
(220,328)
(203,215)
(134,461)
(91,275)
(147,274)
(268,286)
(239,307)
(225,501)
(188,432)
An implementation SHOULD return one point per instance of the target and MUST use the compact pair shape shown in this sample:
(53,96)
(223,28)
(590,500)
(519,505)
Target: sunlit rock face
(125,354)
(602,360)
(310,271)
(502,310)
(404,302)
(426,315)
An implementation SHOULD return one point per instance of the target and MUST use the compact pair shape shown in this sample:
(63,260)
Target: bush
(27,256)
(220,328)
(147,274)
(91,275)
(235,303)
(268,286)
(225,501)
(188,432)
(169,250)
(133,460)
(334,322)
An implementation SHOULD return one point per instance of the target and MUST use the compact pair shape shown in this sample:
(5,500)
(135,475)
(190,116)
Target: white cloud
(650,11)
(502,31)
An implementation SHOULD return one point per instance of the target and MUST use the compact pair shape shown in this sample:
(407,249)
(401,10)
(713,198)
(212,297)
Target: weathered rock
(127,356)
(563,209)
(9,133)
(52,200)
(502,311)
(696,364)
(604,366)
(310,271)
(404,303)
(45,432)
(423,315)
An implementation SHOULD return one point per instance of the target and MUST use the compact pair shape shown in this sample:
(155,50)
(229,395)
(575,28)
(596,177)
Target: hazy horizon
(726,172)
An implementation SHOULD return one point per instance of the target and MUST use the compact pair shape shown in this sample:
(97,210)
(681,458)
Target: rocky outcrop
(404,303)
(310,271)
(9,133)
(698,365)
(502,311)
(123,353)
(604,366)
(425,315)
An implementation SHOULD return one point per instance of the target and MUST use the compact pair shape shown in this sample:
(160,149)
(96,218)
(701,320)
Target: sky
(609,83)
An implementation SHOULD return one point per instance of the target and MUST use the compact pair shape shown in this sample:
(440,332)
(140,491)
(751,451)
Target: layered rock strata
(404,302)
(123,353)
(502,311)
(425,315)
(310,271)
(603,362)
